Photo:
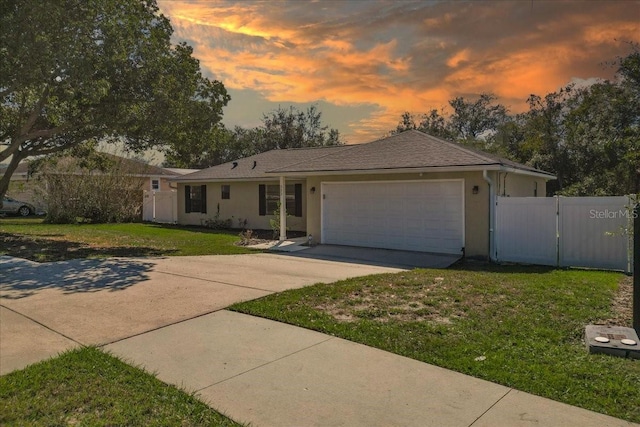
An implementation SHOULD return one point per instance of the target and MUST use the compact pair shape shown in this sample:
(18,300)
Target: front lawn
(517,326)
(89,387)
(33,239)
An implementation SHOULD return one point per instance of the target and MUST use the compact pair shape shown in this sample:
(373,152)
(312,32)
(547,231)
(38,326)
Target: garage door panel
(420,215)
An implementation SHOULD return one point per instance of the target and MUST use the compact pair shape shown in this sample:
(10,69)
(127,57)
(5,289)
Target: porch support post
(283,209)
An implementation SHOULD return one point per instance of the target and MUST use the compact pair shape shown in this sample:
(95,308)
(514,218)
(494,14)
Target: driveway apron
(95,302)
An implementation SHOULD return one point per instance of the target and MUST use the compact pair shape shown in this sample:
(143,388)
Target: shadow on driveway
(20,278)
(377,257)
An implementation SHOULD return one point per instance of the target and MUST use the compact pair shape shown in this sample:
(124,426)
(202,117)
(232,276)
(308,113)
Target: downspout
(492,215)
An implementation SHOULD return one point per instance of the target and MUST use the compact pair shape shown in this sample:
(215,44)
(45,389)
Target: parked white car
(16,207)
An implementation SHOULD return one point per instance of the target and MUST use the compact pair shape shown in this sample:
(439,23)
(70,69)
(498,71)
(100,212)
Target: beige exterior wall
(242,204)
(512,185)
(476,205)
(165,184)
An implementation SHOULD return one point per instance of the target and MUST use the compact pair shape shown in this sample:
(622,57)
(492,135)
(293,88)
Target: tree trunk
(11,168)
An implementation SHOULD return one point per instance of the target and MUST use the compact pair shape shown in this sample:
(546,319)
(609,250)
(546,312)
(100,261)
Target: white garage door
(424,216)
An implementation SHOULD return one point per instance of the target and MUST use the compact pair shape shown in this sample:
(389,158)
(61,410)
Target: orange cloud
(459,57)
(398,59)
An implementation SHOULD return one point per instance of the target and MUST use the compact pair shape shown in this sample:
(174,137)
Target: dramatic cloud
(379,59)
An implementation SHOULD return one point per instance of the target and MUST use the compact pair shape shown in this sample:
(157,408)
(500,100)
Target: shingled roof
(408,151)
(256,166)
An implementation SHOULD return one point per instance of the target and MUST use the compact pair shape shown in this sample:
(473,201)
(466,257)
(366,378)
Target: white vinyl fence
(565,231)
(160,206)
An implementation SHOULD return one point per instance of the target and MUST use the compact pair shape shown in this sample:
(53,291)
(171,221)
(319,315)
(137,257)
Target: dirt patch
(431,301)
(622,305)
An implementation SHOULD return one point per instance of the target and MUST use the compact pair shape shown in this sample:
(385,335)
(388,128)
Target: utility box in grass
(613,340)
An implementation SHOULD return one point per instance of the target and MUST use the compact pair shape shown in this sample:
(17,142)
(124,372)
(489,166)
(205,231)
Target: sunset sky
(366,62)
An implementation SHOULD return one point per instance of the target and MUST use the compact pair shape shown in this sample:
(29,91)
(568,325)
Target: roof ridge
(458,146)
(308,148)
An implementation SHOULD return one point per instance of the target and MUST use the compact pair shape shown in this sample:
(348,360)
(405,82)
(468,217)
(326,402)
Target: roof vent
(255,163)
(235,165)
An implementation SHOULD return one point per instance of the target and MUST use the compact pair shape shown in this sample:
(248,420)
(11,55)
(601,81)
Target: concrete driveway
(48,308)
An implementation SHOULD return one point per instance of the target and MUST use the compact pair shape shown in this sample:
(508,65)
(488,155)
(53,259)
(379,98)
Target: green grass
(520,327)
(33,239)
(89,387)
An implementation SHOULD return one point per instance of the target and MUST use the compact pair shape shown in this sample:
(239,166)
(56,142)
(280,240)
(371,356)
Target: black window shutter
(298,198)
(262,200)
(187,199)
(203,194)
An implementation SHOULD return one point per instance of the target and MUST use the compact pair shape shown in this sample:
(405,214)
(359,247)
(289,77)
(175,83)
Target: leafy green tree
(433,123)
(208,148)
(292,128)
(544,134)
(507,141)
(407,122)
(603,139)
(472,121)
(79,70)
(280,129)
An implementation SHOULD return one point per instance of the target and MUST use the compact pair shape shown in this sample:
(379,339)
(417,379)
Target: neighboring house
(29,188)
(410,191)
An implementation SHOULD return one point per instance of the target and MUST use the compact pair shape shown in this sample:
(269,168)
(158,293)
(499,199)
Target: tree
(544,133)
(77,70)
(281,129)
(293,128)
(471,121)
(82,184)
(433,123)
(407,122)
(201,151)
(603,134)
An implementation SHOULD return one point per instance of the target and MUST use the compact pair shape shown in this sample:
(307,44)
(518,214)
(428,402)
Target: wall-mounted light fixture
(312,190)
(475,189)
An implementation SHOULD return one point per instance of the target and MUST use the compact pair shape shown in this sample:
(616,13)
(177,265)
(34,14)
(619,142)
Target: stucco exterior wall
(242,204)
(512,185)
(476,205)
(165,184)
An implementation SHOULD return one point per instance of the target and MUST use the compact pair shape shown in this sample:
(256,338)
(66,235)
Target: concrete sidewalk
(272,374)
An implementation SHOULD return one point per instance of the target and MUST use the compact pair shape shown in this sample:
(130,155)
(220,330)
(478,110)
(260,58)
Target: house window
(155,184)
(226,191)
(269,196)
(195,198)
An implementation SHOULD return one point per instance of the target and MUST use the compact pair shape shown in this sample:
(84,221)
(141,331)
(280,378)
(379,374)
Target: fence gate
(564,231)
(160,206)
